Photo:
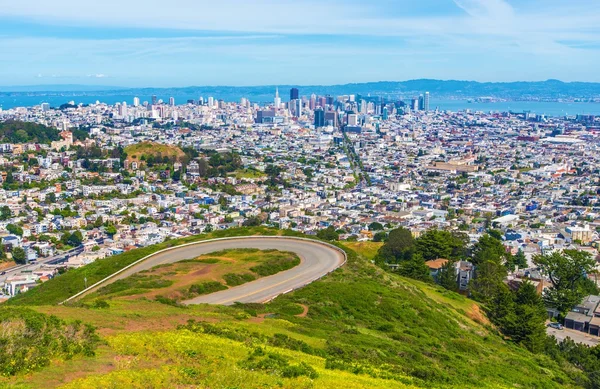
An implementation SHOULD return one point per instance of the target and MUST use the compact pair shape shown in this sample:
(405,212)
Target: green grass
(365,328)
(248,173)
(276,262)
(234,279)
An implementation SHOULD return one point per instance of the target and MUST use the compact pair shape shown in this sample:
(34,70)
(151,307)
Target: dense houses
(309,164)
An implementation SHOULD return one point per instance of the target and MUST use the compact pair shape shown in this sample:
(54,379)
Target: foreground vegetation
(206,274)
(360,327)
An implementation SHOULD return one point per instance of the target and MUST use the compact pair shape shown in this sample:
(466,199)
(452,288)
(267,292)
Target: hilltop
(143,150)
(359,327)
(14,131)
(548,89)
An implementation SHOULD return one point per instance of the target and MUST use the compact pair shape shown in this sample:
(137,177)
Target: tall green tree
(400,246)
(530,318)
(567,271)
(488,281)
(415,268)
(434,244)
(447,277)
(19,256)
(489,248)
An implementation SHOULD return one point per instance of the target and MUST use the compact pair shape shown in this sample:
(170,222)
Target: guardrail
(99,283)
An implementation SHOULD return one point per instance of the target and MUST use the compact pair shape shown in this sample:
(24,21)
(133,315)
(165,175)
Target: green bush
(233,279)
(31,340)
(206,288)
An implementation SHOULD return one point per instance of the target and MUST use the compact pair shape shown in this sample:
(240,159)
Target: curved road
(317,259)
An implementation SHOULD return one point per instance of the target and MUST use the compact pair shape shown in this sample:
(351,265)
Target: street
(576,336)
(41,261)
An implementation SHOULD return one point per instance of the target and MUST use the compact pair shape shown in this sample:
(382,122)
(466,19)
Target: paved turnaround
(316,260)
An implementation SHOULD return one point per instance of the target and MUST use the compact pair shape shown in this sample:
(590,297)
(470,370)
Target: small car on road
(557,326)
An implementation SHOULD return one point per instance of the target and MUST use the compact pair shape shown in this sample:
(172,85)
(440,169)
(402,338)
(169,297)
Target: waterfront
(455,105)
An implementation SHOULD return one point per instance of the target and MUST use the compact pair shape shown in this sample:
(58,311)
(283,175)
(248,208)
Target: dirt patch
(6,265)
(304,312)
(477,316)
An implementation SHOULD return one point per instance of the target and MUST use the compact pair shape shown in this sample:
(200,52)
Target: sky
(157,43)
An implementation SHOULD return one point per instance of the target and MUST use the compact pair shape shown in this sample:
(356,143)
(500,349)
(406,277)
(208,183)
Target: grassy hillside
(357,328)
(147,149)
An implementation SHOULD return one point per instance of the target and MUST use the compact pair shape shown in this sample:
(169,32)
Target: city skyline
(288,43)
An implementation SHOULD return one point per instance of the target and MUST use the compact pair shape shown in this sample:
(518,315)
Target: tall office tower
(201,101)
(298,108)
(136,101)
(277,100)
(171,101)
(352,119)
(154,100)
(352,98)
(322,102)
(211,102)
(385,114)
(312,104)
(243,101)
(414,104)
(426,102)
(421,103)
(319,117)
(124,107)
(294,94)
(329,100)
(45,107)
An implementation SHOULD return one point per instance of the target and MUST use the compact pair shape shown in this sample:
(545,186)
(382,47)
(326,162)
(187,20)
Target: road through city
(317,260)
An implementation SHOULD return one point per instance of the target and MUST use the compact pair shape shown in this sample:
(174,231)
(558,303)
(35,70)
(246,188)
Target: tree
(252,221)
(110,230)
(208,228)
(75,239)
(399,246)
(488,280)
(530,318)
(375,226)
(380,237)
(328,233)
(18,255)
(567,271)
(447,277)
(434,244)
(14,229)
(520,260)
(489,248)
(415,268)
(5,213)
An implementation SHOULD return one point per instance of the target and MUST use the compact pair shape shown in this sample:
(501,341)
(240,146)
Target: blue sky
(240,42)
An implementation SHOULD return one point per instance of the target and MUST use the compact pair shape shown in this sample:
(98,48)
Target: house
(435,266)
(585,317)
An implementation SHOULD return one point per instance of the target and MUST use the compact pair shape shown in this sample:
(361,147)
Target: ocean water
(544,108)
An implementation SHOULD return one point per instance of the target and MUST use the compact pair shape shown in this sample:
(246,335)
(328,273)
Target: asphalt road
(316,261)
(576,336)
(16,270)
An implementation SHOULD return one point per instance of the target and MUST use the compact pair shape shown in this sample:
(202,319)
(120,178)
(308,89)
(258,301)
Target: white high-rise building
(171,101)
(211,102)
(136,101)
(277,101)
(426,102)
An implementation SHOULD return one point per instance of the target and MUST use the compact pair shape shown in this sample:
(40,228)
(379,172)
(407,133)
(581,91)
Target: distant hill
(23,132)
(549,89)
